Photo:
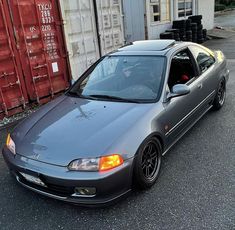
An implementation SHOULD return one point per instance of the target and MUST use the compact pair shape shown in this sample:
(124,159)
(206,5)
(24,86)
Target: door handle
(199,86)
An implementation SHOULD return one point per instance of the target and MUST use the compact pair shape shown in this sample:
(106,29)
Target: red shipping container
(39,36)
(12,89)
(34,62)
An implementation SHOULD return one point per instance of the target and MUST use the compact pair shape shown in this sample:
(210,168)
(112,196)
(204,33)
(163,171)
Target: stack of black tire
(200,34)
(176,33)
(194,31)
(204,32)
(190,29)
(189,32)
(181,26)
(167,35)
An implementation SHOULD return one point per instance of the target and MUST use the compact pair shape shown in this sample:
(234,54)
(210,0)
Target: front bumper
(61,183)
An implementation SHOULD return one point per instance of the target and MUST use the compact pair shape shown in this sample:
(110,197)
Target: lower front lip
(61,183)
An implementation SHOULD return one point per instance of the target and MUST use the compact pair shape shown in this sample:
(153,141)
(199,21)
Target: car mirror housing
(178,90)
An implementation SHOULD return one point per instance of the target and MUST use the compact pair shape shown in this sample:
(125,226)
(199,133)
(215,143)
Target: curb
(218,13)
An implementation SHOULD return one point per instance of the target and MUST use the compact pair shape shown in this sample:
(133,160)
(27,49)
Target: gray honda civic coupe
(112,127)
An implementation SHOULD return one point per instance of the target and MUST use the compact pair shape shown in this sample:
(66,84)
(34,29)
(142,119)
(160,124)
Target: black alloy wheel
(221,93)
(147,163)
(220,96)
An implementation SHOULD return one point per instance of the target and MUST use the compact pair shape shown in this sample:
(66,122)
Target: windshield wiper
(113,98)
(75,94)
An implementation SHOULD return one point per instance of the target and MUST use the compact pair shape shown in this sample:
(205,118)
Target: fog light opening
(82,191)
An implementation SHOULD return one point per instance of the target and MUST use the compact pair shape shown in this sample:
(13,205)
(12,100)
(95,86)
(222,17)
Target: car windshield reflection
(123,78)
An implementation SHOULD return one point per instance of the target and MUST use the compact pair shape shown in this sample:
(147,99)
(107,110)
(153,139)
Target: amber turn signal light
(110,162)
(11,144)
(8,139)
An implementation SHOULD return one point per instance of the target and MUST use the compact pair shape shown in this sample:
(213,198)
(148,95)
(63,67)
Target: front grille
(61,189)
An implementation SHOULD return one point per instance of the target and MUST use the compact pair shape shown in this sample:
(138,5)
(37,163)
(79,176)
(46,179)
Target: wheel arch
(161,142)
(156,135)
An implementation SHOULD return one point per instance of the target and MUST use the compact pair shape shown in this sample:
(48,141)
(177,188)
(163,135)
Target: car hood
(70,128)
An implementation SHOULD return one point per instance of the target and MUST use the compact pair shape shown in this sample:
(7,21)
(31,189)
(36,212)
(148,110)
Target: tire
(199,27)
(199,32)
(173,30)
(179,24)
(194,25)
(204,32)
(196,18)
(189,33)
(220,96)
(147,163)
(199,36)
(167,35)
(188,22)
(200,41)
(177,37)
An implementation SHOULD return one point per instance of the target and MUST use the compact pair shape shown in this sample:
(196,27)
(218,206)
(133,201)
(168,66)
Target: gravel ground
(8,121)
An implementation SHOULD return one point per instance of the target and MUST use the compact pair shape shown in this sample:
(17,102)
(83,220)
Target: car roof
(147,47)
(151,47)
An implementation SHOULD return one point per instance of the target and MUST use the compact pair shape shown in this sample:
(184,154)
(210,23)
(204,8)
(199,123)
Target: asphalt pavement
(196,188)
(226,19)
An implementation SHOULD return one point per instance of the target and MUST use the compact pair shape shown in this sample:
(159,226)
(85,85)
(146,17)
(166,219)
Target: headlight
(96,164)
(85,165)
(11,144)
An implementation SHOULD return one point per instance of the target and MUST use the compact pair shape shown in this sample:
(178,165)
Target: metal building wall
(206,9)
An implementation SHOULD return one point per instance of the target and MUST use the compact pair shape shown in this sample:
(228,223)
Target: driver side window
(182,69)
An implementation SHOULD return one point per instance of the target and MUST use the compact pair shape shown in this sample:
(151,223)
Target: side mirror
(178,90)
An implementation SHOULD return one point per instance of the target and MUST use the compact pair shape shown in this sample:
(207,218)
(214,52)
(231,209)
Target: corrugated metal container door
(39,37)
(12,90)
(134,11)
(93,28)
(81,34)
(110,24)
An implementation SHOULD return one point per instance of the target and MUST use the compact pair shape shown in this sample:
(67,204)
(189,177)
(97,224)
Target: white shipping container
(80,33)
(80,27)
(110,24)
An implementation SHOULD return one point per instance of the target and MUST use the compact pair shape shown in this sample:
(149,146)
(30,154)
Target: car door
(207,73)
(180,113)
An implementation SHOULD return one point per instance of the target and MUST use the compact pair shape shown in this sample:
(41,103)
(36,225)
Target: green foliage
(232,4)
(219,7)
(225,2)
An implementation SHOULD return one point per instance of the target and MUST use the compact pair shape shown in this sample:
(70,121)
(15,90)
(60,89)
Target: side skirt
(186,130)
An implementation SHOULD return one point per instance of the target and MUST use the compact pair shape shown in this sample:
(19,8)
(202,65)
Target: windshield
(123,77)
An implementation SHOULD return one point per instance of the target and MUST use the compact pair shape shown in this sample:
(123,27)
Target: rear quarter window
(203,58)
